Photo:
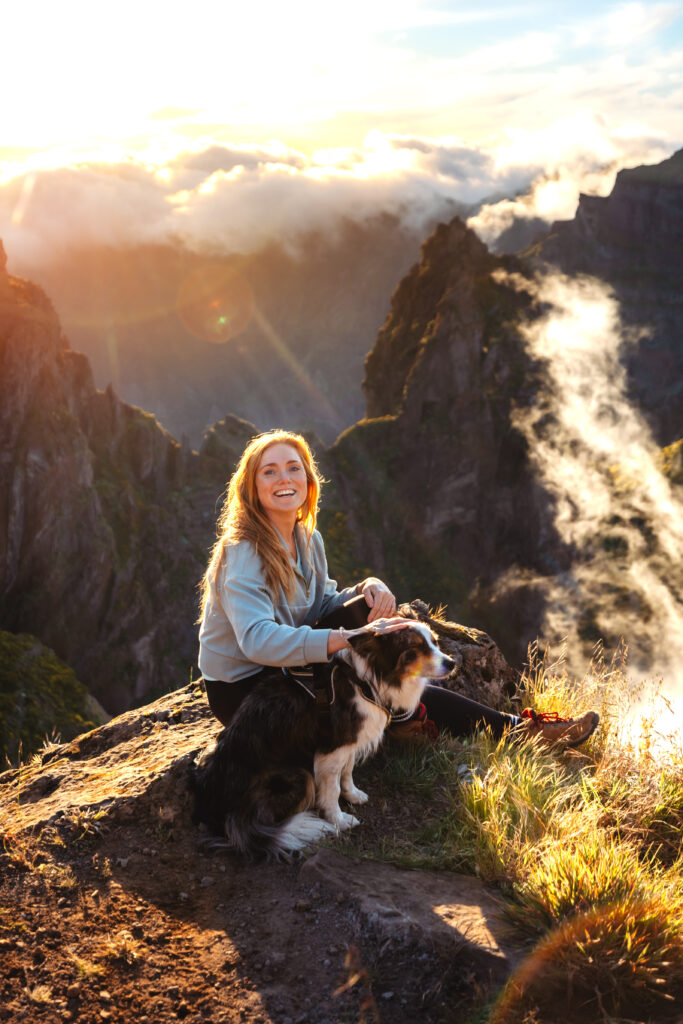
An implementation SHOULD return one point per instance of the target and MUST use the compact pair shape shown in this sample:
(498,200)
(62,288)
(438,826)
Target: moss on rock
(39,693)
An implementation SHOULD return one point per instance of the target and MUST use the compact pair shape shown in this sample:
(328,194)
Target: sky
(146,119)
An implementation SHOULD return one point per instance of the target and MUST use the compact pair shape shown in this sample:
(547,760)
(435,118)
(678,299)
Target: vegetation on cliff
(40,696)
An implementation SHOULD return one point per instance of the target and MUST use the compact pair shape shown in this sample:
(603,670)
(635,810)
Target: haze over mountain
(307,319)
(512,455)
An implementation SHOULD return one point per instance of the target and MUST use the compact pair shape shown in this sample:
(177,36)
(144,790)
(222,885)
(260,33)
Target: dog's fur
(280,755)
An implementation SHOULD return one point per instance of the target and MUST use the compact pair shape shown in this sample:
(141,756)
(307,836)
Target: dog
(283,754)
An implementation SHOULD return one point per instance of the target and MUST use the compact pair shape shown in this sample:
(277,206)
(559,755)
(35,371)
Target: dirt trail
(140,925)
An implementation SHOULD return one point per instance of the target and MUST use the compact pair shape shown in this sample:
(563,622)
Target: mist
(614,505)
(231,198)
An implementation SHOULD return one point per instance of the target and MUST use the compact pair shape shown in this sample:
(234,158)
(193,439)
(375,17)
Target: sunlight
(280,346)
(215,303)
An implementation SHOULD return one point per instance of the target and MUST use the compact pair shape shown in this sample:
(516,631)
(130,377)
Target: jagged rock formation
(434,488)
(101,541)
(633,240)
(222,446)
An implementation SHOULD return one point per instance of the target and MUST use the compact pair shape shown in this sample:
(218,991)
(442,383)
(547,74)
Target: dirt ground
(139,925)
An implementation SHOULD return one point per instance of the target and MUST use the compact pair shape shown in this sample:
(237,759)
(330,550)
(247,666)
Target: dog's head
(402,654)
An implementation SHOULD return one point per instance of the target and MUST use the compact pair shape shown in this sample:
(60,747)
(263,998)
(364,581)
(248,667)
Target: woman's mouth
(284,494)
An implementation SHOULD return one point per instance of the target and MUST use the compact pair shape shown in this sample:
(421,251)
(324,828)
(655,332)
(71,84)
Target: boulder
(481,671)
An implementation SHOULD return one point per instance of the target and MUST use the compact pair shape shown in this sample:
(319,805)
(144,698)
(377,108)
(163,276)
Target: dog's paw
(347,821)
(354,795)
(342,821)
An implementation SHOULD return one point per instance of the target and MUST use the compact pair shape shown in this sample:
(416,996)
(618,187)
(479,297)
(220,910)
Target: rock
(123,770)
(633,239)
(223,444)
(481,672)
(454,914)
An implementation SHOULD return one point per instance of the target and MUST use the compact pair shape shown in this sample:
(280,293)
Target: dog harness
(316,680)
(319,684)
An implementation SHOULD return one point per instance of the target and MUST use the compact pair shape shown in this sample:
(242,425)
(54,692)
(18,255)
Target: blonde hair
(243,518)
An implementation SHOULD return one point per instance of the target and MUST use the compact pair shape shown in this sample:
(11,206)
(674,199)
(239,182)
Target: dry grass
(41,994)
(123,948)
(86,969)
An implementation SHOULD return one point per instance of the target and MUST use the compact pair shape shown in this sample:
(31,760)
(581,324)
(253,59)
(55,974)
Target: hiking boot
(570,732)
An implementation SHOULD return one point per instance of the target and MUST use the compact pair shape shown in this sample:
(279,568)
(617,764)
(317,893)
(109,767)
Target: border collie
(282,755)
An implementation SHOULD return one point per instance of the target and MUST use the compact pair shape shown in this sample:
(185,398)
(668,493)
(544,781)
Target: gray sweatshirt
(243,629)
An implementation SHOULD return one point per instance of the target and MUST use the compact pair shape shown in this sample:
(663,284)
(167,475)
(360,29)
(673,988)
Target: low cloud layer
(613,504)
(239,197)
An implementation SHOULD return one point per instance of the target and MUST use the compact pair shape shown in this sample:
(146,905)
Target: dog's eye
(409,656)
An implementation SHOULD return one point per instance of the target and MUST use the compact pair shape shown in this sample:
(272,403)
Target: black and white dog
(281,755)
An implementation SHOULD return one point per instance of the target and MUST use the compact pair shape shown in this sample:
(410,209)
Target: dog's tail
(278,842)
(265,815)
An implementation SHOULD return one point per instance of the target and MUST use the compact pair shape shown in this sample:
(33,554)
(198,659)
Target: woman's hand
(339,638)
(378,597)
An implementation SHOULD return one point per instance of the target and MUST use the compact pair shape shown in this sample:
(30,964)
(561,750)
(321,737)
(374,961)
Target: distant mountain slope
(297,363)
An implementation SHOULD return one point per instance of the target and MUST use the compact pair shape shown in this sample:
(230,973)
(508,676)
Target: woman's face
(281,482)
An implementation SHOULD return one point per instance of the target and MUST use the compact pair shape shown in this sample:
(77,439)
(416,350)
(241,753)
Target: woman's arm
(335,641)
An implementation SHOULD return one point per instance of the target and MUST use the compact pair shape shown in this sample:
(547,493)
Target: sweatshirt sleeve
(249,607)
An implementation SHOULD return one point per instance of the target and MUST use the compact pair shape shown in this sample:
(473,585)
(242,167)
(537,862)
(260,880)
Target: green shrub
(39,695)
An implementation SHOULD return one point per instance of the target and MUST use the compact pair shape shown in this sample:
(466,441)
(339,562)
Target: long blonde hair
(242,516)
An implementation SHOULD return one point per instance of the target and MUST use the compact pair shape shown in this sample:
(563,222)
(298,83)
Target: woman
(267,599)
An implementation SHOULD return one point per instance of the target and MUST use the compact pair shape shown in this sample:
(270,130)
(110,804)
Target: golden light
(215,303)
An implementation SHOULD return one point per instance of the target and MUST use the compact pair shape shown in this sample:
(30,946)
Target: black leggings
(449,711)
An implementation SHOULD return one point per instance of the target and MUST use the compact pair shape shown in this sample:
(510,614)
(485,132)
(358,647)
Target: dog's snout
(442,665)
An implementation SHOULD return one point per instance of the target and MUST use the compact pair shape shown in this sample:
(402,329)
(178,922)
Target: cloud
(237,197)
(614,508)
(577,154)
(624,26)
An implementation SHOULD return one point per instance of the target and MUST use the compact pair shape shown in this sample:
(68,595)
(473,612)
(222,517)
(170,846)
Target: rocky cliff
(435,487)
(633,240)
(101,536)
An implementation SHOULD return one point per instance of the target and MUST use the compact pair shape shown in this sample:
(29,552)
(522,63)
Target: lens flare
(215,303)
